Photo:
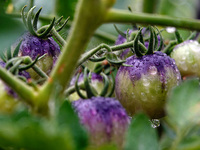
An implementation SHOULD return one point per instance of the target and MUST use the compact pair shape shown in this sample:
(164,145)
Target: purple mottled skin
(104,118)
(33,46)
(145,85)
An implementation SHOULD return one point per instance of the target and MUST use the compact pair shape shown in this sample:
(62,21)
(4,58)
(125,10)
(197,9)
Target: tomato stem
(83,27)
(23,90)
(122,16)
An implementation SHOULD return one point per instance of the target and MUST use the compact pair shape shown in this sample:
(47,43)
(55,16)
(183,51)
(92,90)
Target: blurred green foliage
(141,135)
(24,130)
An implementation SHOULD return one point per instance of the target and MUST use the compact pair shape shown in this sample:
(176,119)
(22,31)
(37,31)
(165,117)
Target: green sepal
(120,32)
(109,70)
(8,53)
(36,18)
(29,21)
(155,40)
(136,44)
(112,84)
(63,25)
(126,65)
(192,36)
(77,88)
(142,48)
(127,35)
(90,92)
(106,84)
(178,37)
(15,66)
(161,40)
(141,37)
(47,31)
(98,68)
(113,59)
(2,56)
(151,41)
(24,16)
(58,20)
(21,68)
(11,61)
(169,48)
(16,50)
(21,78)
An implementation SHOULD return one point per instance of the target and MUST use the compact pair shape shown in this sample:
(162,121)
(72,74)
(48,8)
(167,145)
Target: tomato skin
(145,85)
(33,46)
(104,118)
(187,56)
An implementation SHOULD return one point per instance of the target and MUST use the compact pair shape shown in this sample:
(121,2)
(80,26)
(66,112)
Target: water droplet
(176,70)
(152,70)
(170,29)
(133,95)
(143,96)
(183,58)
(145,82)
(26,49)
(178,77)
(155,123)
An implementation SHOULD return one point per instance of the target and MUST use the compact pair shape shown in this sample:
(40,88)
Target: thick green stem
(31,4)
(21,88)
(122,16)
(82,30)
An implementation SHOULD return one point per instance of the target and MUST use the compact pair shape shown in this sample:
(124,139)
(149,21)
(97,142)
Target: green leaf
(67,118)
(25,131)
(183,105)
(10,30)
(140,135)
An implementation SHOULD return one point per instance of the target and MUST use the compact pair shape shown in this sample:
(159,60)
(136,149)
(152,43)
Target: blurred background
(176,8)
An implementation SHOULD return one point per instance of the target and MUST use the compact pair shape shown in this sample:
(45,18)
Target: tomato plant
(136,102)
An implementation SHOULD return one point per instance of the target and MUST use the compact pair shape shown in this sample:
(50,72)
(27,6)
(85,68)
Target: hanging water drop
(152,70)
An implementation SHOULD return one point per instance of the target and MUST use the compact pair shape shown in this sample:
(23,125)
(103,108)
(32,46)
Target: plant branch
(82,30)
(21,88)
(91,52)
(122,16)
(98,33)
